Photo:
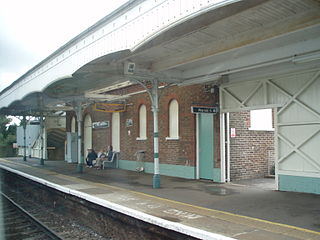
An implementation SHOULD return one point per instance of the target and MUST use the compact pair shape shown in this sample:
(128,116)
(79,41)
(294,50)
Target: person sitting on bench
(110,153)
(110,157)
(101,157)
(90,157)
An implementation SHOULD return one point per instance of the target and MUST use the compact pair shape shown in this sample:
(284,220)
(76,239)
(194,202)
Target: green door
(205,146)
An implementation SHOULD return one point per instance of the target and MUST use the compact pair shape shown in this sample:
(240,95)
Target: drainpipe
(79,119)
(24,126)
(155,110)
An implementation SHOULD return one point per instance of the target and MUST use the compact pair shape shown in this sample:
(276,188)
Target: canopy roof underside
(243,35)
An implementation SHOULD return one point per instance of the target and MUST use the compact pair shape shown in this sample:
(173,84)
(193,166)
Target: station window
(173,120)
(73,125)
(142,123)
(261,120)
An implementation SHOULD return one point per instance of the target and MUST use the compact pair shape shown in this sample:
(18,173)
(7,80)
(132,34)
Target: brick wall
(250,151)
(179,152)
(101,138)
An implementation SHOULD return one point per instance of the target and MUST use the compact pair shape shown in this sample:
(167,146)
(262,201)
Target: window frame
(173,135)
(140,137)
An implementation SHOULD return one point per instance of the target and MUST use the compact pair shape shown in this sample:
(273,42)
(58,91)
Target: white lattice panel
(296,98)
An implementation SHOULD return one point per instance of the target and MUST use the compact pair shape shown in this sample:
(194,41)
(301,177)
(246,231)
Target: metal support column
(228,147)
(276,146)
(80,157)
(24,126)
(42,140)
(155,110)
(223,146)
(154,96)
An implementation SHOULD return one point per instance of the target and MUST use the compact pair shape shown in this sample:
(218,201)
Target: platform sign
(103,124)
(129,123)
(233,132)
(110,107)
(199,109)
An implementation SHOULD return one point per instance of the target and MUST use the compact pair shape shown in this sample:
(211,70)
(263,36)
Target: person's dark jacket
(91,156)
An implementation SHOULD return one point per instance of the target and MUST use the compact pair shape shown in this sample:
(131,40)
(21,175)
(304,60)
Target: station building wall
(101,137)
(177,156)
(251,152)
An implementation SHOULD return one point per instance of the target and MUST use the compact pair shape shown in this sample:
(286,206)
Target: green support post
(24,126)
(155,110)
(80,158)
(42,140)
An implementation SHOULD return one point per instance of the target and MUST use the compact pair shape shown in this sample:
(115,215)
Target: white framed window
(173,120)
(73,125)
(142,123)
(115,128)
(261,120)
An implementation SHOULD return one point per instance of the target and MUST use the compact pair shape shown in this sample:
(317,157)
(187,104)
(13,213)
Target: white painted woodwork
(295,96)
(115,131)
(143,21)
(262,56)
(174,119)
(279,22)
(142,122)
(73,125)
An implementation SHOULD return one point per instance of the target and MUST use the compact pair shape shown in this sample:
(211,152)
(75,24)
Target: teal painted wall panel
(217,175)
(127,165)
(177,171)
(206,146)
(299,184)
(165,169)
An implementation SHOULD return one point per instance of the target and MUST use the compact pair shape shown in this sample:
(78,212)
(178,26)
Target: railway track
(16,223)
(75,218)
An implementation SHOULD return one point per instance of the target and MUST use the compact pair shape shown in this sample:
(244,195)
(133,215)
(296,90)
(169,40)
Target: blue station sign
(200,109)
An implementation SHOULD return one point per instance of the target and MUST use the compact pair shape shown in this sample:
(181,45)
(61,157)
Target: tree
(3,125)
(7,132)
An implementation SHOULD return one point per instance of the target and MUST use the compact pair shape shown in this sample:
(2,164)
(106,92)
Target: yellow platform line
(211,210)
(180,203)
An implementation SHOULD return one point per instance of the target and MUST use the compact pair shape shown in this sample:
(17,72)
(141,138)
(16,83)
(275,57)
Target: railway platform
(201,209)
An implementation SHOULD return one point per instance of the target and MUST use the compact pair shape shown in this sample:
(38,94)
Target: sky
(32,30)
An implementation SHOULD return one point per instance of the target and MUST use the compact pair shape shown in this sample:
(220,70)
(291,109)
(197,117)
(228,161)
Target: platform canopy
(177,42)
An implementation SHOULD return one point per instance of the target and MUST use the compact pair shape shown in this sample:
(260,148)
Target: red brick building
(251,150)
(178,155)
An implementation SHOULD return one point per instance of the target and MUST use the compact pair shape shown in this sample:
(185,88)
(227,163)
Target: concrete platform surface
(203,209)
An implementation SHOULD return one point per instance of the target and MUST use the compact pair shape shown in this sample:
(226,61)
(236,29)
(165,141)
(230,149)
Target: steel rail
(53,235)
